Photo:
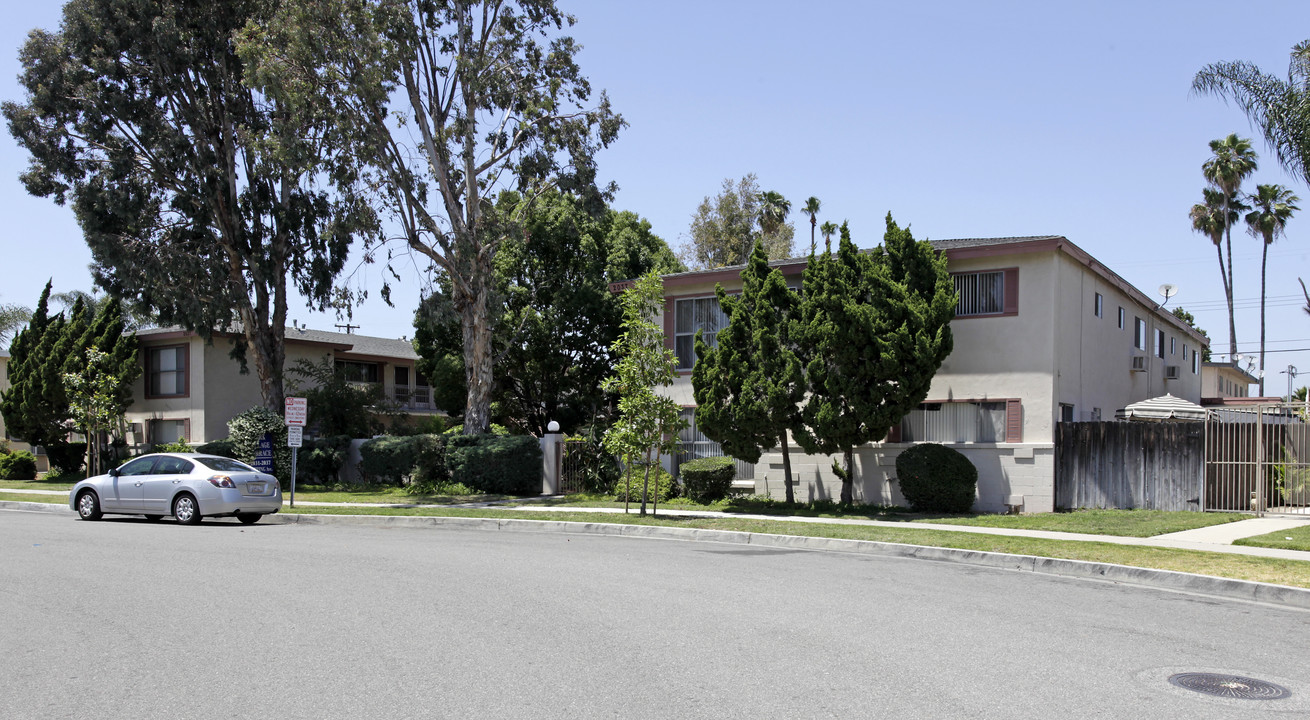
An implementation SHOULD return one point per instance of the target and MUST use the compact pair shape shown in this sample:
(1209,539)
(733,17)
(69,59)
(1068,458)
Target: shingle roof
(350,343)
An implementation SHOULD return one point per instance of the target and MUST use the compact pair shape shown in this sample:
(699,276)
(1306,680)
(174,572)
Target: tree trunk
(1264,263)
(786,468)
(476,326)
(645,485)
(848,482)
(1232,327)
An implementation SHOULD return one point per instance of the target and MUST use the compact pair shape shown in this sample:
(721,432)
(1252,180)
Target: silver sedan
(187,486)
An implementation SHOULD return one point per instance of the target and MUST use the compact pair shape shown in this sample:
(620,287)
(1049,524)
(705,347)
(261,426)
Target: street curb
(1163,579)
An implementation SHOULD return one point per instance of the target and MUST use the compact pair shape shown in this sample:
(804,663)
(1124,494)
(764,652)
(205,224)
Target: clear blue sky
(962,119)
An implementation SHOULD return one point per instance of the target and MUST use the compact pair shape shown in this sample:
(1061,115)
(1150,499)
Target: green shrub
(660,480)
(496,464)
(708,479)
(181,446)
(320,460)
(222,448)
(459,430)
(935,478)
(66,457)
(246,429)
(19,465)
(422,458)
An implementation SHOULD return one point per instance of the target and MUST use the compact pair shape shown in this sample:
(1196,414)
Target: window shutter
(1011,291)
(1013,421)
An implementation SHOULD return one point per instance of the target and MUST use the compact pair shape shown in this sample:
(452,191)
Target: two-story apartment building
(1043,333)
(190,388)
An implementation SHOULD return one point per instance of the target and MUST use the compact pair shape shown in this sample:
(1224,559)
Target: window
(402,376)
(166,431)
(1159,343)
(1066,412)
(1139,333)
(1121,318)
(172,466)
(1097,305)
(223,464)
(693,445)
(1196,361)
(980,293)
(702,314)
(166,371)
(1184,352)
(358,372)
(970,421)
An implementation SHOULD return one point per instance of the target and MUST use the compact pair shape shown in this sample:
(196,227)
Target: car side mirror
(113,472)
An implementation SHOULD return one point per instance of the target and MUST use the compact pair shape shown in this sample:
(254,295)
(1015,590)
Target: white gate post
(550,459)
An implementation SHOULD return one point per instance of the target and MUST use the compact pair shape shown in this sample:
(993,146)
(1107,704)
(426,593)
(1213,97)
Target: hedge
(19,465)
(935,478)
(496,464)
(421,458)
(708,479)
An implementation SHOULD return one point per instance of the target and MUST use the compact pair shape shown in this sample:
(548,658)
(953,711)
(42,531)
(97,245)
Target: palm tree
(1280,108)
(1208,219)
(812,209)
(774,209)
(828,229)
(1274,205)
(1233,162)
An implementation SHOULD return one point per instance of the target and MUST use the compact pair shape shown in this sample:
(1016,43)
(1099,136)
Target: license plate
(255,488)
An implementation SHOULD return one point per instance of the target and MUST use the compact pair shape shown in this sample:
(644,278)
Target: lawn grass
(1294,539)
(380,494)
(64,482)
(24,497)
(1124,523)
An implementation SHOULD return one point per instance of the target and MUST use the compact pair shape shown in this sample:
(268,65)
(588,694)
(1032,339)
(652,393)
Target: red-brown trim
(1010,285)
(1017,248)
(186,371)
(1013,421)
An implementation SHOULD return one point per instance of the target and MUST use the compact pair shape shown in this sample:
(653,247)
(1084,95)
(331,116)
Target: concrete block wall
(1008,474)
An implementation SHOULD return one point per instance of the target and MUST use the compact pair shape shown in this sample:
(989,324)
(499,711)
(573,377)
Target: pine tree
(749,386)
(875,328)
(35,407)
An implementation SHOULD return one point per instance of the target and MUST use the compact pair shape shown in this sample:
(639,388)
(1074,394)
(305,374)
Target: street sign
(297,409)
(295,434)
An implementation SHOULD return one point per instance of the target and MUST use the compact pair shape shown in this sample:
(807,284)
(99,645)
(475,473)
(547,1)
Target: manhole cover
(1229,686)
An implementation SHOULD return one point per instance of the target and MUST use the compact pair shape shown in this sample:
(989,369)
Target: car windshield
(223,464)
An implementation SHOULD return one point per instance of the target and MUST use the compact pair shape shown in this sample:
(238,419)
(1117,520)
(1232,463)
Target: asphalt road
(127,619)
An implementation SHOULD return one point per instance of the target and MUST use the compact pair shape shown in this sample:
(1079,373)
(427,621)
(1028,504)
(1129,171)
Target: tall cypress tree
(875,327)
(750,385)
(34,407)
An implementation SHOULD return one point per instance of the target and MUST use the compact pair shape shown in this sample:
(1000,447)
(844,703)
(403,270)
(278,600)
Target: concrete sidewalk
(1215,538)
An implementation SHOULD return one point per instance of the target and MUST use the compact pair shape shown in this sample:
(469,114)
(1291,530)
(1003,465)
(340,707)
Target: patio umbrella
(1165,407)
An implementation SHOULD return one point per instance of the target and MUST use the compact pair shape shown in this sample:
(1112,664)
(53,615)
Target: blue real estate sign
(264,455)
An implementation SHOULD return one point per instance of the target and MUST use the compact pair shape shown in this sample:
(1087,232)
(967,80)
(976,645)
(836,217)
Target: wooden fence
(1155,466)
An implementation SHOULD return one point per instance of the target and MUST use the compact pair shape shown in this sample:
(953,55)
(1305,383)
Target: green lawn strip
(1124,523)
(24,497)
(1294,573)
(1294,539)
(390,495)
(58,484)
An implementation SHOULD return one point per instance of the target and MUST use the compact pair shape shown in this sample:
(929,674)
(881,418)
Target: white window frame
(1139,333)
(686,356)
(1098,304)
(1122,317)
(1159,343)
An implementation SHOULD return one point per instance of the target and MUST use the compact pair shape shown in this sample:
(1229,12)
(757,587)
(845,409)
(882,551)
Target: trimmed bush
(422,458)
(222,448)
(935,478)
(708,479)
(496,464)
(660,480)
(320,460)
(181,446)
(19,465)
(66,457)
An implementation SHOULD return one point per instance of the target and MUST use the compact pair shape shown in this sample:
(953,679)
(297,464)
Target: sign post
(297,409)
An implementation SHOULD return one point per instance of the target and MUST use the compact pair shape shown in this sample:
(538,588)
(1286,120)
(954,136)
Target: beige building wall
(188,408)
(1224,380)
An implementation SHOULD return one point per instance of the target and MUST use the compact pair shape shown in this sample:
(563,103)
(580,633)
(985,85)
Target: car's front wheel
(249,518)
(88,505)
(185,510)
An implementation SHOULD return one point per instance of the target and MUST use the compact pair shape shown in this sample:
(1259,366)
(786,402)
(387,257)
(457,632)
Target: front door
(129,486)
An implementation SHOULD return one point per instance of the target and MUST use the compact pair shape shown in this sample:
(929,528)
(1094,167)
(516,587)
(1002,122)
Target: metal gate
(1257,459)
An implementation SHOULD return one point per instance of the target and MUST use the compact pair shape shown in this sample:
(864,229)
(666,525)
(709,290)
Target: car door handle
(176,482)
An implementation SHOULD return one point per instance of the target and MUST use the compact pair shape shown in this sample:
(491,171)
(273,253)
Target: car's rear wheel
(185,510)
(153,518)
(249,518)
(88,505)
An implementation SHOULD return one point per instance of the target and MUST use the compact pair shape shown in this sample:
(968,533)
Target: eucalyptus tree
(1233,162)
(1279,108)
(1273,206)
(812,209)
(443,106)
(724,228)
(201,199)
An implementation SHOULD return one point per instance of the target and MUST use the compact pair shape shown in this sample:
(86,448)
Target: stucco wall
(1004,472)
(189,408)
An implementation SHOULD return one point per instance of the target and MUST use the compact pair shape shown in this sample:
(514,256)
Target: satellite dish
(1168,290)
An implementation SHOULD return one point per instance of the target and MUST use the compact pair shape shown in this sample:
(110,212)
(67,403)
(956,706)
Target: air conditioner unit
(1172,372)
(1139,363)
